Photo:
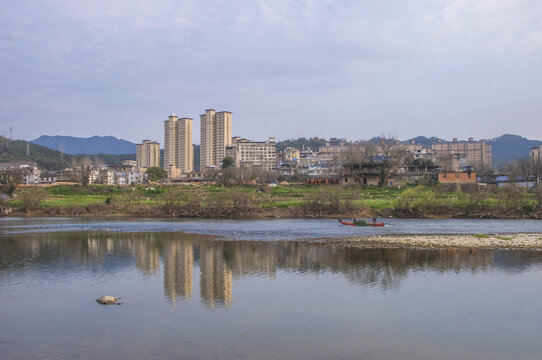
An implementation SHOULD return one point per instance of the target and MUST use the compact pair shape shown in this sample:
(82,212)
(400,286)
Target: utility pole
(27,149)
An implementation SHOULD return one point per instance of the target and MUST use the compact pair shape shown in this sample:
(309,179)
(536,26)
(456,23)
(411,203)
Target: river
(269,230)
(188,294)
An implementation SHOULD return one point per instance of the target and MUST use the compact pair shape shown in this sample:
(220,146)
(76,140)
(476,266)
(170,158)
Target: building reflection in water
(178,267)
(216,277)
(220,262)
(147,254)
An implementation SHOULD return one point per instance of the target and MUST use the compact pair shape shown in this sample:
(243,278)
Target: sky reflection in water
(189,296)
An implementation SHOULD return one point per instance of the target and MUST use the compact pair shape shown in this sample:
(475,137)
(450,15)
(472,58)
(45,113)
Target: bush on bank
(238,201)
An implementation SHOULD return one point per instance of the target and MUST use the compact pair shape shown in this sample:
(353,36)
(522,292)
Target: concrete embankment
(478,241)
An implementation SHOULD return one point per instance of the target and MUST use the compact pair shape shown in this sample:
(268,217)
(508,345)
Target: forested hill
(92,145)
(509,147)
(48,159)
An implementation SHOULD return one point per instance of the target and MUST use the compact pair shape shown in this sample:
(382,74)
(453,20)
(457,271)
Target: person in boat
(374,220)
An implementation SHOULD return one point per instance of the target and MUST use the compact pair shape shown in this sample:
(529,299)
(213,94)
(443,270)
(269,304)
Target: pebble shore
(478,241)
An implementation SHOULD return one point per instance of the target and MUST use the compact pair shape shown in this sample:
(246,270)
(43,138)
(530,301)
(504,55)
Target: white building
(253,154)
(31,175)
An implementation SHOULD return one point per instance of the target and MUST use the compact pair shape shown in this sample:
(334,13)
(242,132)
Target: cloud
(302,62)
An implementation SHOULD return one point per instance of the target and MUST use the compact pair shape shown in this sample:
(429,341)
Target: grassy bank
(252,201)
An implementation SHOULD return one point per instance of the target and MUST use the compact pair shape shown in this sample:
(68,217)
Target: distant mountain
(51,160)
(47,159)
(93,145)
(509,147)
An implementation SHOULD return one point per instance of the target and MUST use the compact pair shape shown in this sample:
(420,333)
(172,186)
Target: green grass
(70,200)
(482,236)
(417,199)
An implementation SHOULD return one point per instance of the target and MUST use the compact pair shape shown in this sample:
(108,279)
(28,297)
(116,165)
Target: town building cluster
(376,162)
(28,173)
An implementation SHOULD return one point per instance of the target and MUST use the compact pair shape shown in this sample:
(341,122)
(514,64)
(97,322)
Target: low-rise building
(49,177)
(131,163)
(253,154)
(456,177)
(14,165)
(31,175)
(292,154)
(137,176)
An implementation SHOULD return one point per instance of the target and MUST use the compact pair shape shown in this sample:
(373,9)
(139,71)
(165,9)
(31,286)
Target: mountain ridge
(92,145)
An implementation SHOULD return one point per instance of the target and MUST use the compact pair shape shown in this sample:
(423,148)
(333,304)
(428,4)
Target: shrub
(4,205)
(32,198)
(321,203)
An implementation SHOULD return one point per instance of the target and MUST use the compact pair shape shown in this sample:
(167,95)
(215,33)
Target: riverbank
(530,241)
(263,201)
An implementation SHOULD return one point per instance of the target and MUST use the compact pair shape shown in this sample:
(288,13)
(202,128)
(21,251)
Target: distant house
(30,175)
(48,177)
(453,177)
(366,175)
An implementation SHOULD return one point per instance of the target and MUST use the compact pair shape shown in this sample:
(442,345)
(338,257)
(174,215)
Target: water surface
(192,296)
(266,230)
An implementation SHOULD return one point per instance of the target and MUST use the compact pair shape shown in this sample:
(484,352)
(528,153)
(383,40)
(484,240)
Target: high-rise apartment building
(185,153)
(170,141)
(215,136)
(477,153)
(178,148)
(148,154)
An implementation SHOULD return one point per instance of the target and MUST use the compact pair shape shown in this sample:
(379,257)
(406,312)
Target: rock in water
(107,300)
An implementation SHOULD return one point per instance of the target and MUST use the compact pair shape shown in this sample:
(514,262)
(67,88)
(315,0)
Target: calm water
(195,297)
(265,230)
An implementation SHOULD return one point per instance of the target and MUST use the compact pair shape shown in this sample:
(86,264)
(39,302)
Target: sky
(348,69)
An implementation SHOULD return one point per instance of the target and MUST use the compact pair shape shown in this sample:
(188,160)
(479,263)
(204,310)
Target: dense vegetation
(300,143)
(46,158)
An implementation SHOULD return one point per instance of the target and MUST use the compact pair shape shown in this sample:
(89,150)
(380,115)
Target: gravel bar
(479,241)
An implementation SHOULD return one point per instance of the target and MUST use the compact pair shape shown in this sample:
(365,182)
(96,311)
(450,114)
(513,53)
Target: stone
(107,300)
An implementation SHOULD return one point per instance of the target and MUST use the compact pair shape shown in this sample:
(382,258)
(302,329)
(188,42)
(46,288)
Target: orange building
(457,177)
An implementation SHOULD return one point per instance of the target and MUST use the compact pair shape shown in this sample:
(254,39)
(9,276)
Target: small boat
(362,223)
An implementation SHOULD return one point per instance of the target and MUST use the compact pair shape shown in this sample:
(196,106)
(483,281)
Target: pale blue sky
(354,69)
